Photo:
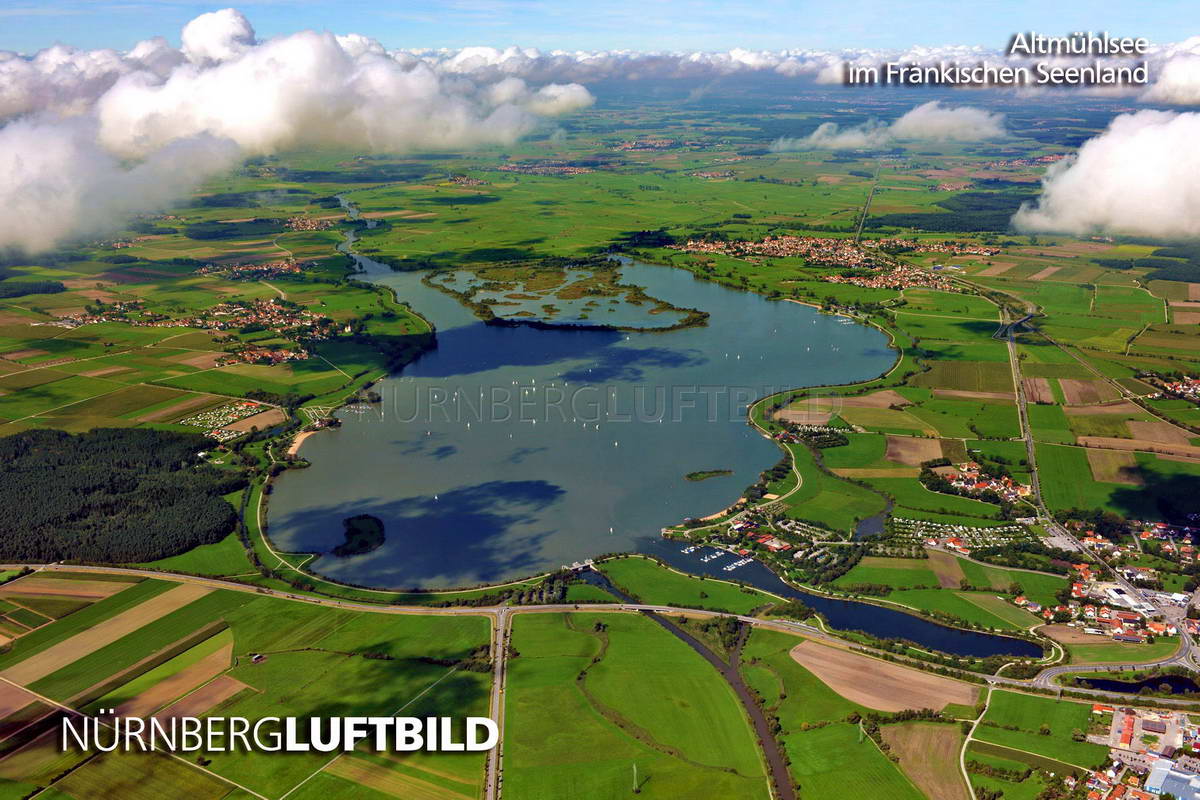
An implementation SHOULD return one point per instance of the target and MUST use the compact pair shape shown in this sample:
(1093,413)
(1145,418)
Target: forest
(110,495)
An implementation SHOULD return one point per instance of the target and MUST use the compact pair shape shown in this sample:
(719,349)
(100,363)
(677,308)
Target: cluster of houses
(970,479)
(650,144)
(306,223)
(1021,163)
(899,277)
(215,421)
(955,186)
(118,311)
(1187,388)
(946,247)
(254,271)
(287,319)
(547,168)
(269,356)
(1121,625)
(466,180)
(713,174)
(813,249)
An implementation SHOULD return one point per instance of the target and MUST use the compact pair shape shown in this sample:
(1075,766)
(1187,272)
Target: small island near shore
(705,474)
(364,533)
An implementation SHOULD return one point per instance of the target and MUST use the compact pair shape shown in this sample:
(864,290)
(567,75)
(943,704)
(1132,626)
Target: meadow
(646,699)
(1027,714)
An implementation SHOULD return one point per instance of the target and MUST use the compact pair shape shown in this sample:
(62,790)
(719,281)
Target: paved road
(501,633)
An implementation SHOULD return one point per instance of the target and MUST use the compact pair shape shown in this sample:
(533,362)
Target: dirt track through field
(104,633)
(1112,443)
(946,567)
(972,395)
(878,684)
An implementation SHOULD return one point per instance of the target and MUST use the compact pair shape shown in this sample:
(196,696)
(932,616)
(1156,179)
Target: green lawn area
(902,573)
(1039,588)
(654,584)
(947,601)
(1027,789)
(834,762)
(828,500)
(1028,713)
(643,677)
(910,493)
(226,557)
(863,450)
(1110,652)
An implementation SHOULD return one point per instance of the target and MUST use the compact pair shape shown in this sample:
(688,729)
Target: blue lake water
(507,451)
(847,615)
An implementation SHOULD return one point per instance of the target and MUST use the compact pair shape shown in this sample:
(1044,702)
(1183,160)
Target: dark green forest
(110,495)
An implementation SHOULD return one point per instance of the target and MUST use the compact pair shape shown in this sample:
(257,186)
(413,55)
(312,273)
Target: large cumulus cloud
(96,136)
(930,121)
(1138,177)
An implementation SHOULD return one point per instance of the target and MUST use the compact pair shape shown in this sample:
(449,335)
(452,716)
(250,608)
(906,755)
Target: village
(969,479)
(254,271)
(1187,388)
(1151,754)
(898,277)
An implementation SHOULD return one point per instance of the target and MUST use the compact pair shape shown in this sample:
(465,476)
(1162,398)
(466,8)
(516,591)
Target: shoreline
(294,447)
(348,250)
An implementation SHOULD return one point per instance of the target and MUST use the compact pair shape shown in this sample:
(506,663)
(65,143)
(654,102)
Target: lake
(511,450)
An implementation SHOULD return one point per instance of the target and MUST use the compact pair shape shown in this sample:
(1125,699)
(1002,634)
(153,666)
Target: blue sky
(27,25)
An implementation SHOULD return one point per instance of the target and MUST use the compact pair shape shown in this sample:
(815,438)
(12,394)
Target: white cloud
(928,122)
(217,36)
(57,182)
(77,118)
(934,121)
(1138,178)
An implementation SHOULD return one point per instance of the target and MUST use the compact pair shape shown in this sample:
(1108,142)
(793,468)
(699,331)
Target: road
(501,633)
(501,618)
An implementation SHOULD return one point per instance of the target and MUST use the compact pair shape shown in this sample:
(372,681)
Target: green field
(835,761)
(1028,713)
(647,699)
(901,573)
(658,585)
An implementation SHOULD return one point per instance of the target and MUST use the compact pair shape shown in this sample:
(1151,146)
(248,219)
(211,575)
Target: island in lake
(705,474)
(364,533)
